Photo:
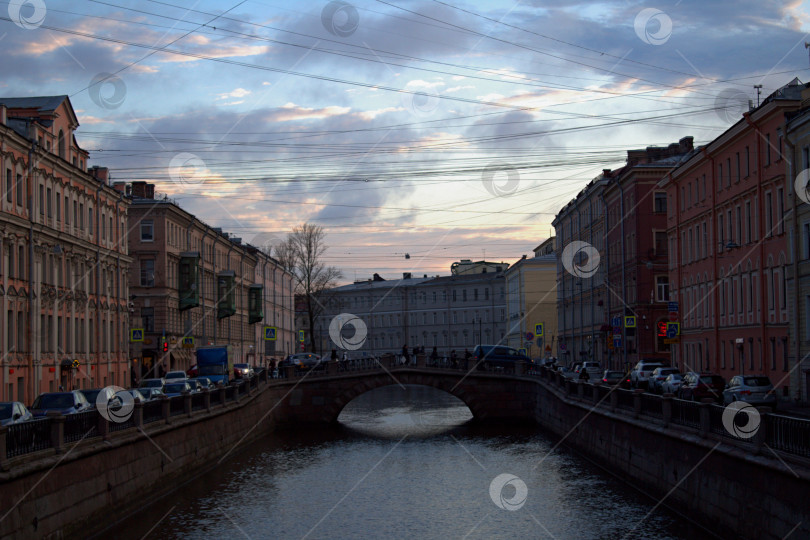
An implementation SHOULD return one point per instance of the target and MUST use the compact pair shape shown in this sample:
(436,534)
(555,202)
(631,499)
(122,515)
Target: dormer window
(60,143)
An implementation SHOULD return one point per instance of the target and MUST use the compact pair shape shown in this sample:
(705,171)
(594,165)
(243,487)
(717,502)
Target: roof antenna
(758,88)
(806,45)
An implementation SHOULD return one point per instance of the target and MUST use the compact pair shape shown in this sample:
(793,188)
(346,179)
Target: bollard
(165,404)
(57,431)
(666,408)
(637,393)
(3,451)
(236,389)
(207,399)
(186,402)
(705,420)
(103,427)
(137,414)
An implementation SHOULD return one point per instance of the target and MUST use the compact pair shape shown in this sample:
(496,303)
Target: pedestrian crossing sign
(630,321)
(269,333)
(538,329)
(135,334)
(301,336)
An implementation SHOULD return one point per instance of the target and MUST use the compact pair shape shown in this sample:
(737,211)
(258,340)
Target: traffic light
(165,344)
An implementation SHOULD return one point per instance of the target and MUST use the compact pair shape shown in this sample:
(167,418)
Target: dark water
(406,463)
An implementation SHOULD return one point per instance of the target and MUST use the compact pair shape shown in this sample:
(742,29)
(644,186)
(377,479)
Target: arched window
(60,144)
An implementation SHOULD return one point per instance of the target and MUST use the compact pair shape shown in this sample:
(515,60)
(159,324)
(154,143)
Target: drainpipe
(99,354)
(790,173)
(581,319)
(607,263)
(228,266)
(188,248)
(31,314)
(624,260)
(593,303)
(202,283)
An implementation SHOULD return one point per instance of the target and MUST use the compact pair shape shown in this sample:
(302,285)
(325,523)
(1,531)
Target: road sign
(523,352)
(529,336)
(630,321)
(269,333)
(617,335)
(673,316)
(616,321)
(538,329)
(617,329)
(301,336)
(540,342)
(617,343)
(188,342)
(673,307)
(136,334)
(76,363)
(673,330)
(671,341)
(562,346)
(548,348)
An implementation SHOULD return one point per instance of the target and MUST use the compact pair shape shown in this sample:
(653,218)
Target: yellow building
(531,300)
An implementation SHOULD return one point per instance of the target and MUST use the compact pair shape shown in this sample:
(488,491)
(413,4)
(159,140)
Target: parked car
(151,393)
(175,375)
(657,377)
(696,386)
(242,371)
(152,383)
(753,389)
(61,402)
(192,372)
(568,373)
(194,385)
(137,395)
(642,371)
(13,412)
(205,382)
(594,370)
(107,393)
(301,360)
(176,388)
(612,378)
(671,383)
(576,367)
(497,356)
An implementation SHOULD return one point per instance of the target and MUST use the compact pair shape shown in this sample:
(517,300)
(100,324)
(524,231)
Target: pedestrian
(467,356)
(583,374)
(406,357)
(454,359)
(434,356)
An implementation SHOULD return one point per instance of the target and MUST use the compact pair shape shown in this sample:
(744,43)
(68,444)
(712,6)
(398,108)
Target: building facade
(65,267)
(581,299)
(636,255)
(455,312)
(193,285)
(531,300)
(728,247)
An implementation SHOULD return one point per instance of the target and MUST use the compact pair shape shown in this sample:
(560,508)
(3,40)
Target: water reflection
(403,463)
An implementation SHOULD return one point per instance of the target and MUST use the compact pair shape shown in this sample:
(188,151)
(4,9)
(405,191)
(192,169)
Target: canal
(406,463)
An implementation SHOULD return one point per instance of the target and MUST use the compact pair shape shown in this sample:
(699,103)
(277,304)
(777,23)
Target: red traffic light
(165,345)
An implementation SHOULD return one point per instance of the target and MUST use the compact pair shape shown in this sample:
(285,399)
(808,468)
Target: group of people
(434,355)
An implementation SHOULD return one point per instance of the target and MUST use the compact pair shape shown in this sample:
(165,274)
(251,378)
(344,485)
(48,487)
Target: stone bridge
(319,397)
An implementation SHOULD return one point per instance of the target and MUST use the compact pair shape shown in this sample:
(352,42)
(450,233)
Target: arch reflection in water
(394,411)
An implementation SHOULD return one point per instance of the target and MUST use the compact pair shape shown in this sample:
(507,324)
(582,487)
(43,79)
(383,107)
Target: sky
(416,133)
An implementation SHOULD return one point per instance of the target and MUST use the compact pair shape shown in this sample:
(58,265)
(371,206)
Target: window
(747,162)
(768,214)
(703,198)
(81,216)
(464,295)
(780,210)
(738,167)
(662,288)
(60,144)
(728,172)
(720,233)
(9,185)
(660,243)
(148,319)
(41,200)
(90,220)
(48,203)
(660,203)
(748,221)
(147,230)
(767,149)
(148,273)
(58,207)
(683,197)
(705,243)
(719,176)
(19,190)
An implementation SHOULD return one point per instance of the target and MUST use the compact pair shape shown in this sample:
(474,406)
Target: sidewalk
(791,408)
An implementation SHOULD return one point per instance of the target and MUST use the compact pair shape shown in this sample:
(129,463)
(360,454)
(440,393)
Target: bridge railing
(56,431)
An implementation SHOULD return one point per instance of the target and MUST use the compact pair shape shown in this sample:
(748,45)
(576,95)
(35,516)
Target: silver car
(671,383)
(14,412)
(656,381)
(753,389)
(641,373)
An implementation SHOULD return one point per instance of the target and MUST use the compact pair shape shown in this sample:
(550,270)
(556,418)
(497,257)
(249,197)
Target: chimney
(102,174)
(406,275)
(3,114)
(378,278)
(605,172)
(120,186)
(150,191)
(139,189)
(686,144)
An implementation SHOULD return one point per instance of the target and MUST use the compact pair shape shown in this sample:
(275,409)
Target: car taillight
(745,392)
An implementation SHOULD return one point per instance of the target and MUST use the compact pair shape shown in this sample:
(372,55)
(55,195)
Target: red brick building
(728,246)
(636,251)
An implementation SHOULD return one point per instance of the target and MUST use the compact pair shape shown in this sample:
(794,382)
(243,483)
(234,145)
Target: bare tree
(302,254)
